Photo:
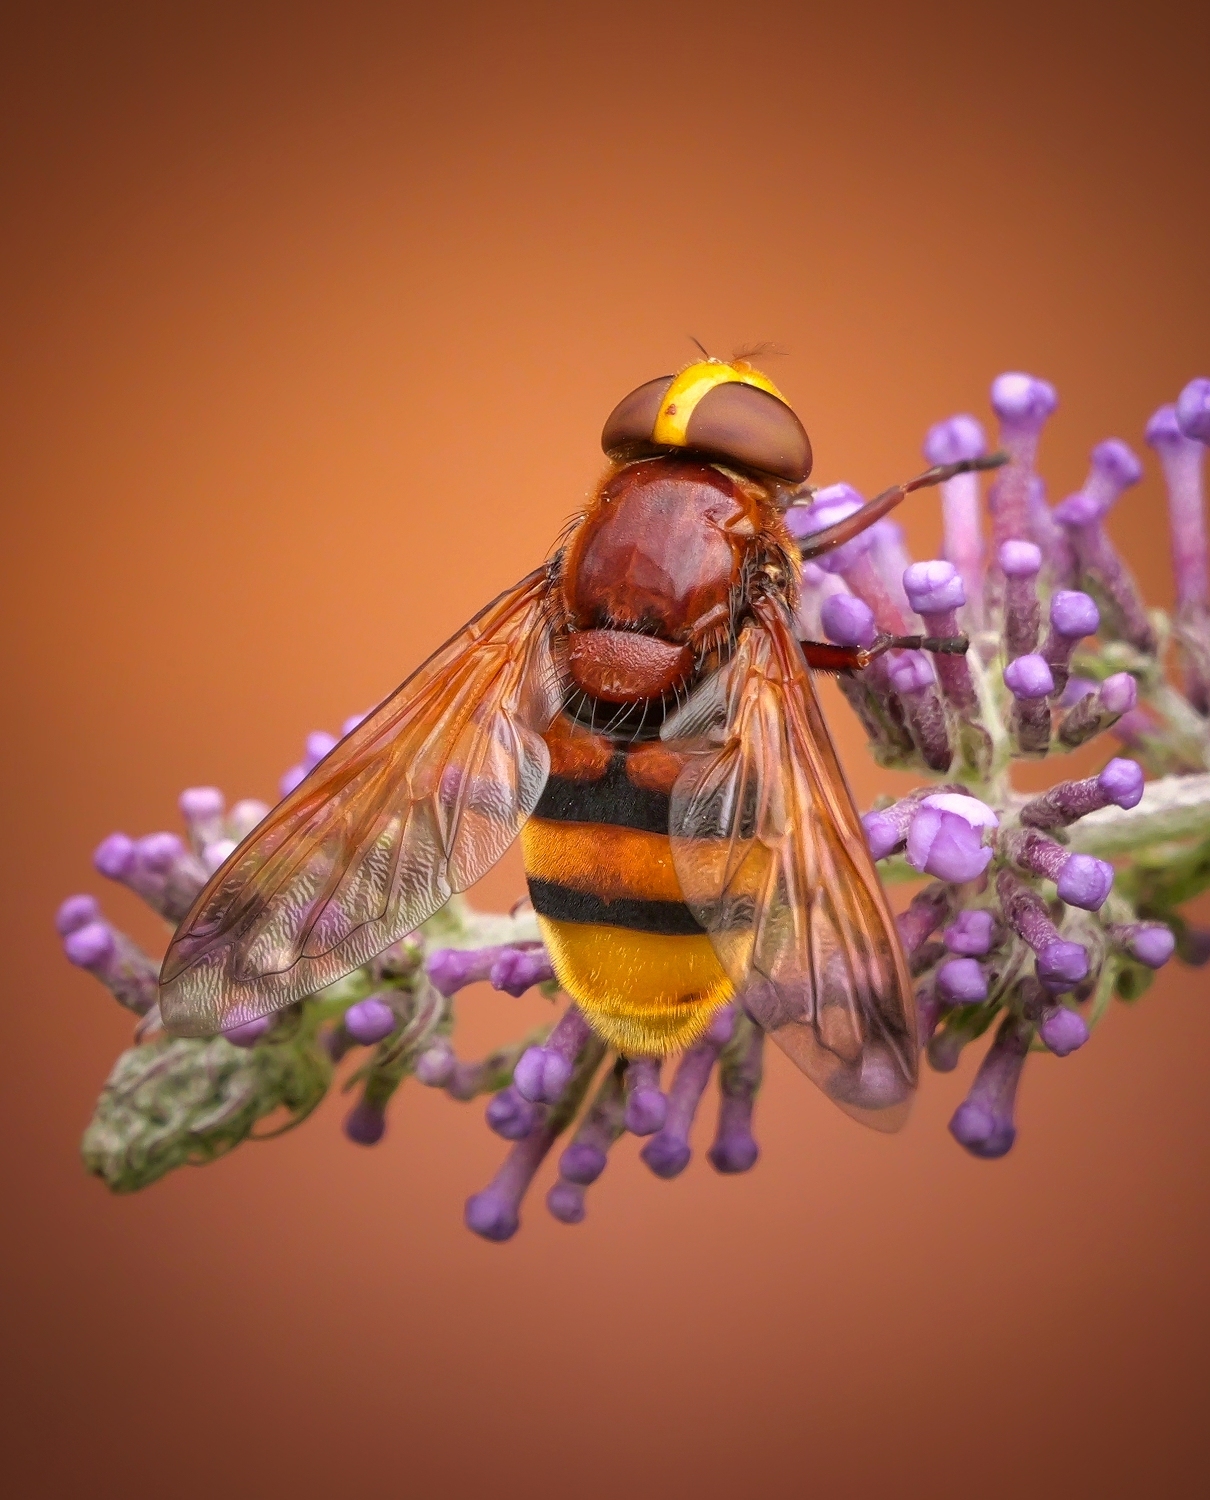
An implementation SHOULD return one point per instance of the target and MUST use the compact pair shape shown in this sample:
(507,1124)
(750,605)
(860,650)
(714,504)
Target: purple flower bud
(1023,400)
(582,1163)
(1085,882)
(646,1106)
(1183,457)
(215,855)
(1063,1030)
(735,1150)
(202,808)
(1099,710)
(110,956)
(318,744)
(541,1075)
(1019,559)
(970,933)
(945,1049)
(848,620)
(911,672)
(666,1155)
(450,969)
(1077,688)
(295,776)
(517,969)
(1122,782)
(248,1033)
(945,838)
(740,1068)
(925,913)
(961,981)
(369,1020)
(366,1123)
(435,1066)
(934,586)
(1152,944)
(982,1133)
(510,1115)
(1073,614)
(1062,965)
(158,851)
(492,1214)
(883,833)
(1163,429)
(1079,510)
(1119,693)
(115,856)
(89,946)
(199,803)
(76,912)
(983,1122)
(886,829)
(158,868)
(495,1212)
(566,1202)
(509,968)
(1193,410)
(954,439)
(1029,677)
(245,816)
(1116,464)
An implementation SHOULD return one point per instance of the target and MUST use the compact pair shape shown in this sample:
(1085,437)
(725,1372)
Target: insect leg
(873,510)
(823,656)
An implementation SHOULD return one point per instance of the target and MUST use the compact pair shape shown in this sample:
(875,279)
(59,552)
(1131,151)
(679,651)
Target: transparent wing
(416,803)
(773,862)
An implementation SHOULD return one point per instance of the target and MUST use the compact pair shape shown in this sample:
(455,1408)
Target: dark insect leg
(874,510)
(823,656)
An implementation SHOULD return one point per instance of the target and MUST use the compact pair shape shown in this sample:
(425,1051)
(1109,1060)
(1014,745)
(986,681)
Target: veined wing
(419,801)
(773,862)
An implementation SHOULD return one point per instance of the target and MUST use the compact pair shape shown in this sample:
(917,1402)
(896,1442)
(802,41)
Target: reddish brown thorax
(651,572)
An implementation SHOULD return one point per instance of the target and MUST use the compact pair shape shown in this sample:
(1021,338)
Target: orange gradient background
(312,317)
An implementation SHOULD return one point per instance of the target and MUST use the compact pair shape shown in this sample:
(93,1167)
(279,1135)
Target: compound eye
(632,421)
(751,427)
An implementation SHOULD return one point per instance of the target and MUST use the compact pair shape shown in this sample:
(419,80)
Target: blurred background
(312,316)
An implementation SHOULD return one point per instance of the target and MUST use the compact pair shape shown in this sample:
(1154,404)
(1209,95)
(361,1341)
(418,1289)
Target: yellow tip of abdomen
(646,994)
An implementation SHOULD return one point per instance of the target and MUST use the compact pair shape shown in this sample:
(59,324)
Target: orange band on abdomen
(608,861)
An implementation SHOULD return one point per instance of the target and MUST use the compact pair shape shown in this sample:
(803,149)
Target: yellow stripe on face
(607,861)
(645,993)
(688,388)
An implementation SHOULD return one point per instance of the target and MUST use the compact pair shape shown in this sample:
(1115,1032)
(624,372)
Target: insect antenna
(700,345)
(758,351)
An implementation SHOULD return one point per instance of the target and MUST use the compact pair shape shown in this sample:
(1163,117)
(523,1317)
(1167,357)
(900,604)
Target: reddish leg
(873,510)
(823,656)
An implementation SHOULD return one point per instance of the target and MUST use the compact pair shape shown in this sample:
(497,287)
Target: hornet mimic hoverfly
(640,711)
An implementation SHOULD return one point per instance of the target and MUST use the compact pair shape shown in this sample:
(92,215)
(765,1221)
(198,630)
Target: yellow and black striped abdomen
(622,941)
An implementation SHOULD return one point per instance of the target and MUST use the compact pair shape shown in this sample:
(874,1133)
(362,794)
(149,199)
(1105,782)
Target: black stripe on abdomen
(612,798)
(563,904)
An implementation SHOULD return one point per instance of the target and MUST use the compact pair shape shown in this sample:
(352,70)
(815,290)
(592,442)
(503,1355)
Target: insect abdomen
(622,941)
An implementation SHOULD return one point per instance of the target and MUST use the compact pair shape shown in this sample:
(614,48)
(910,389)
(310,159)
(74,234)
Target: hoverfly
(640,711)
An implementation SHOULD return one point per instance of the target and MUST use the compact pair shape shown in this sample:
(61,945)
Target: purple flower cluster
(1037,929)
(1037,911)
